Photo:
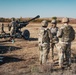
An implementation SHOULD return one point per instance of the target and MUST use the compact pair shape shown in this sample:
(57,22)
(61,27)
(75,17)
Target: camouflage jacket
(53,31)
(60,34)
(41,35)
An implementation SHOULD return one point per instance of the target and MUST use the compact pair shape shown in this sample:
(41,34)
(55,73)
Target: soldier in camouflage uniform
(54,39)
(12,28)
(2,28)
(44,42)
(66,34)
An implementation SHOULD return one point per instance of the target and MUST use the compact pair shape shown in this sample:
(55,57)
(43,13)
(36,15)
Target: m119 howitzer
(16,31)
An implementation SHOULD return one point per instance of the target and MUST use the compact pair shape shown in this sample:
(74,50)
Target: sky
(31,8)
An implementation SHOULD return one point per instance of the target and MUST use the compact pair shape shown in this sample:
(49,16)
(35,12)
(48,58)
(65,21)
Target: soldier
(2,28)
(66,34)
(12,28)
(53,31)
(44,42)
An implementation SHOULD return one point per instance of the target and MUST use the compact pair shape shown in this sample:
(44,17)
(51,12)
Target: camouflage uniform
(54,39)
(12,29)
(12,26)
(2,28)
(44,46)
(64,47)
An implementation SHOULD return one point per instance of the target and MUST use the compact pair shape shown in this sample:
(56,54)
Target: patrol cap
(54,21)
(65,20)
(44,23)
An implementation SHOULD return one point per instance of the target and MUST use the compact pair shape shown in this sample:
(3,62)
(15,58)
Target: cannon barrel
(24,23)
(33,18)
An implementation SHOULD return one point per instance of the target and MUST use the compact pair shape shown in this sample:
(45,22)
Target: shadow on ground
(33,39)
(8,59)
(5,49)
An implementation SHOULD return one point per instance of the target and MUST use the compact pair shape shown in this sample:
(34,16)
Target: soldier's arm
(50,35)
(60,32)
(73,33)
(39,36)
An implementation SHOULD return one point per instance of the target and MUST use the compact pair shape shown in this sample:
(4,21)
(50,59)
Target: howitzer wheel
(26,34)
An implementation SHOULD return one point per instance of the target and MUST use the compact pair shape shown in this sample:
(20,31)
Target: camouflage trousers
(64,50)
(52,45)
(44,51)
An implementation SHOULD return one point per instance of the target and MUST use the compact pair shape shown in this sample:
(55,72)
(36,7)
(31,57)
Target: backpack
(44,35)
(68,34)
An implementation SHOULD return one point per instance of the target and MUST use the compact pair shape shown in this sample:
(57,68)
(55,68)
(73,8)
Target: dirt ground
(22,57)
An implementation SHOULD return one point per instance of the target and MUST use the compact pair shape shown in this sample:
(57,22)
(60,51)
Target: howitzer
(16,31)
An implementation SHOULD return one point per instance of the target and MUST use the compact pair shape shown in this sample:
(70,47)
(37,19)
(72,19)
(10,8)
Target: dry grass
(25,56)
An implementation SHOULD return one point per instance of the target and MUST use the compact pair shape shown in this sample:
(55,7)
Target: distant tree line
(5,19)
(36,21)
(26,19)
